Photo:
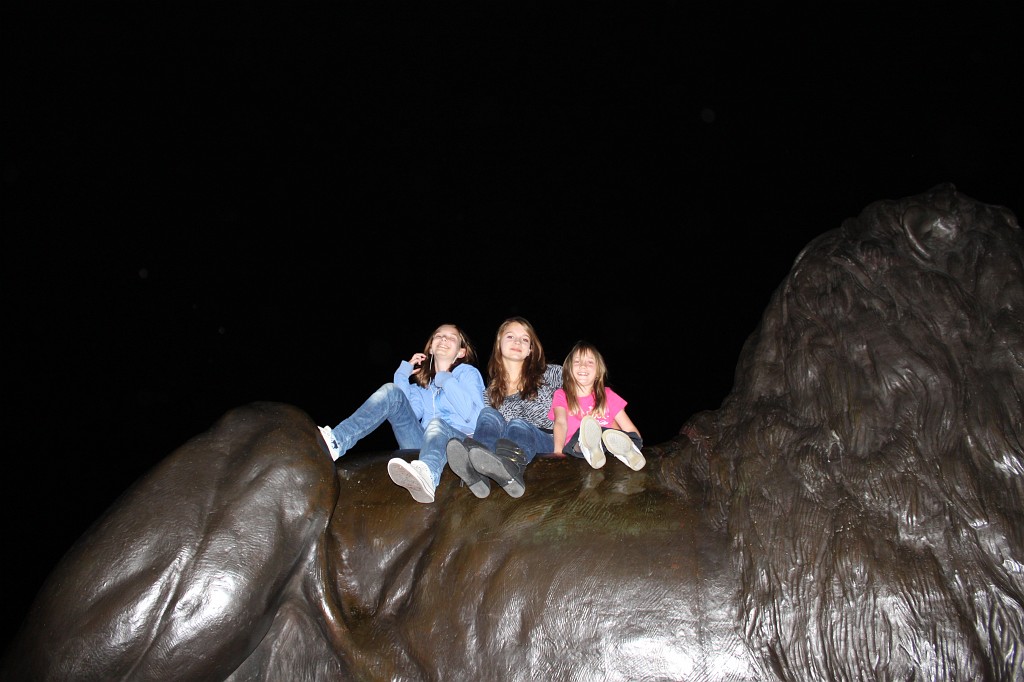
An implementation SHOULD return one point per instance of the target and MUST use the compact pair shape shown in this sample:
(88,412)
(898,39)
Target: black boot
(458,460)
(506,465)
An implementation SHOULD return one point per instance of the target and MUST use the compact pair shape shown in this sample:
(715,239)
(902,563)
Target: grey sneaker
(590,442)
(622,446)
(332,443)
(414,476)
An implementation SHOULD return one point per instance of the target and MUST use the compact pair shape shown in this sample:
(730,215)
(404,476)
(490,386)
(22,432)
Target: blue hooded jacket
(456,397)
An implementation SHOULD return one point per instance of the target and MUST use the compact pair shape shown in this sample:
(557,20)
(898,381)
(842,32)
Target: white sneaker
(623,447)
(590,442)
(332,443)
(414,476)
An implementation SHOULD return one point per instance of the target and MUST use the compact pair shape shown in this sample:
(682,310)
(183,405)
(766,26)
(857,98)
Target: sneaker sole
(488,463)
(325,433)
(632,460)
(408,479)
(621,445)
(458,460)
(590,444)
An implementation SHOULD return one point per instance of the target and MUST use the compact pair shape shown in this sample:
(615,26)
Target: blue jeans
(491,425)
(389,402)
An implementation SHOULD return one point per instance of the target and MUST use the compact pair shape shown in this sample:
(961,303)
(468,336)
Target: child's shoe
(506,465)
(590,442)
(332,443)
(414,476)
(623,447)
(458,460)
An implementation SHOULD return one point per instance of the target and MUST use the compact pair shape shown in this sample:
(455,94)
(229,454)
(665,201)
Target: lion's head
(869,459)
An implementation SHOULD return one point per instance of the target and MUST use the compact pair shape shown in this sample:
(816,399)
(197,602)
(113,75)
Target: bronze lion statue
(852,511)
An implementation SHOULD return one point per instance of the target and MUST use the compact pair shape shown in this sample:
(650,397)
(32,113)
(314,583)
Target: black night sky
(207,206)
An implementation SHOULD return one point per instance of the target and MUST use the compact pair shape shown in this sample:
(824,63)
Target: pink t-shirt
(613,405)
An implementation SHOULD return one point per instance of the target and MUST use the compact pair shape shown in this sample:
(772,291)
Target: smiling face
(584,371)
(515,342)
(446,345)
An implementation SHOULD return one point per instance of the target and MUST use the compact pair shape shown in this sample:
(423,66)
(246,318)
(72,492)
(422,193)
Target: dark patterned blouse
(533,411)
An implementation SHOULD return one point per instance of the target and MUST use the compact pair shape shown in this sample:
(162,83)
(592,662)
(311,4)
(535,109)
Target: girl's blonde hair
(582,349)
(426,374)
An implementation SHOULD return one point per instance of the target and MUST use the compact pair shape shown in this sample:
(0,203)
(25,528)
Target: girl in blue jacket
(436,395)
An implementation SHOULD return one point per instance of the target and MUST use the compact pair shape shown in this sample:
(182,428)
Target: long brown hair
(533,366)
(600,375)
(425,375)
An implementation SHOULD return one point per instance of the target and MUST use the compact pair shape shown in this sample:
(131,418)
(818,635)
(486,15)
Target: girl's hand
(416,360)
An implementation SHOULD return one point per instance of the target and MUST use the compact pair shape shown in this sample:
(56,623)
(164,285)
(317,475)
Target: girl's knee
(388,390)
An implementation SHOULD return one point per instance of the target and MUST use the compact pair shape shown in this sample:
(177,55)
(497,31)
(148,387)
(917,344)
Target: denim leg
(528,437)
(387,402)
(490,426)
(434,452)
(545,441)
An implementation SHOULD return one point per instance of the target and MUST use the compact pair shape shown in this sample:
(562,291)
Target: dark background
(204,207)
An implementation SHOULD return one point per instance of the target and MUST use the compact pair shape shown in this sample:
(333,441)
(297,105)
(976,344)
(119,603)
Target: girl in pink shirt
(590,418)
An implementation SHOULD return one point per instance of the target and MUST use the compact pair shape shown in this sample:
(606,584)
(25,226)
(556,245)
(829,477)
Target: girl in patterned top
(514,424)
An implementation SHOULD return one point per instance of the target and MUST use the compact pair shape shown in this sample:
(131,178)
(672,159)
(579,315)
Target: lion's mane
(869,459)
